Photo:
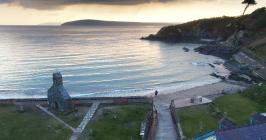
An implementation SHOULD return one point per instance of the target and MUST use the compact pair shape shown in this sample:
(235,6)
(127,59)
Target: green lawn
(70,119)
(29,125)
(74,118)
(197,120)
(117,123)
(237,107)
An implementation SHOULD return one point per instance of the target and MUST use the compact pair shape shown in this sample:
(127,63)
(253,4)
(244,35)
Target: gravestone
(58,97)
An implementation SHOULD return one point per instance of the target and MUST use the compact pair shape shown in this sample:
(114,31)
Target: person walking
(156,93)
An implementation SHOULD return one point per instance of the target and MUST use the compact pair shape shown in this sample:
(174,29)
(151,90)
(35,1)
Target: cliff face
(205,28)
(214,28)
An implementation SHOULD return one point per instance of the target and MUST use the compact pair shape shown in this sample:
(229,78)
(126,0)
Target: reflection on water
(103,61)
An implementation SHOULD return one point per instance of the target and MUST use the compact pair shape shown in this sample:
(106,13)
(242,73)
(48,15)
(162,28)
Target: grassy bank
(198,120)
(29,125)
(117,123)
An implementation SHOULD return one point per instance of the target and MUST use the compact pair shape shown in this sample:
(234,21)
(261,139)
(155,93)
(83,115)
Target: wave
(163,89)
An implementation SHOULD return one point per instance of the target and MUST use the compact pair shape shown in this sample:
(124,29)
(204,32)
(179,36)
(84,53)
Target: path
(58,119)
(165,128)
(85,121)
(87,117)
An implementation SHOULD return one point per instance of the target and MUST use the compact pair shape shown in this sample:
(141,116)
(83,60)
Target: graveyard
(60,117)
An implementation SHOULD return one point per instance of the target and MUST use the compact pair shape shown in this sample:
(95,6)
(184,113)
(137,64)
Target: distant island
(91,22)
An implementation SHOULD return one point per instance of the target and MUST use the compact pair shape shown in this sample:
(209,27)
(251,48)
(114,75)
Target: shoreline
(126,93)
(168,93)
(205,90)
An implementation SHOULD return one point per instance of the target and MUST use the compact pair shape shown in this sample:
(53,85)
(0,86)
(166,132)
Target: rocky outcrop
(217,50)
(226,49)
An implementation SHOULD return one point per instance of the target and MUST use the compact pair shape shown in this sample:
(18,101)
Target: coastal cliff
(252,26)
(227,34)
(204,28)
(237,39)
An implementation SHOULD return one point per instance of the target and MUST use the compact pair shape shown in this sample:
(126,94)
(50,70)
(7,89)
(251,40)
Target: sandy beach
(206,90)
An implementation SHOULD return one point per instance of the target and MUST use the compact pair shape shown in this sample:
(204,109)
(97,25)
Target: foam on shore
(163,89)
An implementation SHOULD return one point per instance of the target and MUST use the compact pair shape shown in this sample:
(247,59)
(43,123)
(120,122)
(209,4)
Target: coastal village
(232,109)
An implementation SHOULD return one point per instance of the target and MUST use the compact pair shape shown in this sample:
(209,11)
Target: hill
(220,28)
(90,22)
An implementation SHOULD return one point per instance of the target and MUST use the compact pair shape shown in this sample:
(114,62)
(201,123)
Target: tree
(248,3)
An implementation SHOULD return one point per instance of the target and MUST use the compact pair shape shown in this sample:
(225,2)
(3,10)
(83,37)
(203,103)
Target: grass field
(70,119)
(238,107)
(198,120)
(117,123)
(74,118)
(29,125)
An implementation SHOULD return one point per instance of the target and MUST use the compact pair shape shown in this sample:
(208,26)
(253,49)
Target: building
(209,136)
(58,97)
(227,124)
(257,118)
(230,131)
(251,132)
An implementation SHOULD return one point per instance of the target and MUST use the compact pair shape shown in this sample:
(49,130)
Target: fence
(151,124)
(176,121)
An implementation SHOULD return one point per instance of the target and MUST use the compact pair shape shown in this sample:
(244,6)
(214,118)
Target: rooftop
(252,132)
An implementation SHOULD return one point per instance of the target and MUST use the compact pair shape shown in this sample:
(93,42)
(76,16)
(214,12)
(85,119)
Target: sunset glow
(174,11)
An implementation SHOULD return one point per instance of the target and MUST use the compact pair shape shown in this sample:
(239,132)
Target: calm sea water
(97,61)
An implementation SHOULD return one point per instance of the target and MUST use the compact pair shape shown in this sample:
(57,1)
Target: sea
(98,61)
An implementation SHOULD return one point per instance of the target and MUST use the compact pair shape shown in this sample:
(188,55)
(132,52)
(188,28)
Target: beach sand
(164,98)
(165,127)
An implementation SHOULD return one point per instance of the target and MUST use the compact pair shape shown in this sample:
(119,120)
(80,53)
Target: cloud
(54,4)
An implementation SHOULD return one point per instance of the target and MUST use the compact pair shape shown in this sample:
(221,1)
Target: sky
(35,12)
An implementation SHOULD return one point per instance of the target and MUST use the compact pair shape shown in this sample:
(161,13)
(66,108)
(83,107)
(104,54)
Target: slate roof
(258,118)
(227,124)
(252,132)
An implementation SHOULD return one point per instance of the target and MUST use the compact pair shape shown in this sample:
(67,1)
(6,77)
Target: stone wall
(24,101)
(82,101)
